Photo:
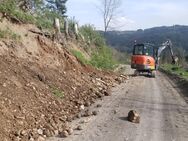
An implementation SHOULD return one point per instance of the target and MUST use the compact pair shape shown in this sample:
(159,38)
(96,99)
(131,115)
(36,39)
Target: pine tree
(28,5)
(57,6)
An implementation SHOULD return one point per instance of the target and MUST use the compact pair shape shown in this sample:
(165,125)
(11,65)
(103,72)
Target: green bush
(43,23)
(80,57)
(175,69)
(22,16)
(9,7)
(45,19)
(102,58)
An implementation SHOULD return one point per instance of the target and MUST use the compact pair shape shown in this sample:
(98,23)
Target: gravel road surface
(163,111)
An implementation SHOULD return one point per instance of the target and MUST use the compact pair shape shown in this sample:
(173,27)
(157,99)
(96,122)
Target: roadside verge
(180,82)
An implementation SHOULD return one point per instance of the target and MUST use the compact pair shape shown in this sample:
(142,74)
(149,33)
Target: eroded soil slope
(42,86)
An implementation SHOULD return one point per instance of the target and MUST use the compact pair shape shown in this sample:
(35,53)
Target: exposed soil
(33,72)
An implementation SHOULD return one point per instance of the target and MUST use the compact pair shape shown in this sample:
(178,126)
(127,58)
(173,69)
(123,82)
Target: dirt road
(164,114)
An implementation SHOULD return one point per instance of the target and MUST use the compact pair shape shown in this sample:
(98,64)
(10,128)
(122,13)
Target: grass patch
(57,92)
(10,8)
(103,59)
(102,56)
(8,34)
(24,17)
(43,23)
(44,20)
(80,57)
(175,69)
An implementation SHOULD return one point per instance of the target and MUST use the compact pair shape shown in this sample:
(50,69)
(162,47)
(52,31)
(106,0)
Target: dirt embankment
(42,86)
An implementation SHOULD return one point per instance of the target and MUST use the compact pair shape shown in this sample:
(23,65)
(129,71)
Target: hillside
(124,40)
(41,83)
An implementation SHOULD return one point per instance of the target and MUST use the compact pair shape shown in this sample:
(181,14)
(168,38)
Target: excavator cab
(141,49)
(143,59)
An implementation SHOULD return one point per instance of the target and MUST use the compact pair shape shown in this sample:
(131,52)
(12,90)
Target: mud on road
(163,111)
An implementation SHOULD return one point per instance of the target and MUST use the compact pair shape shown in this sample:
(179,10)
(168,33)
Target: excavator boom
(167,44)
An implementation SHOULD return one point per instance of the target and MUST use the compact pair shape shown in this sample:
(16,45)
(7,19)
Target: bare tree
(109,10)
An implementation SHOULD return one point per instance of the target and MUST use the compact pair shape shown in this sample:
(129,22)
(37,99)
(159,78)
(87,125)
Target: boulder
(133,116)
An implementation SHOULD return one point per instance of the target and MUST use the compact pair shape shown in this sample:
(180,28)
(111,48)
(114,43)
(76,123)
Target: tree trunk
(66,27)
(57,28)
(76,30)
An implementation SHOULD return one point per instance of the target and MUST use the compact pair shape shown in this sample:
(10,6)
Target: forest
(124,40)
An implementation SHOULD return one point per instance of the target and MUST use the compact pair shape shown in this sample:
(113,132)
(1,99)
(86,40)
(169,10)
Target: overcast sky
(132,14)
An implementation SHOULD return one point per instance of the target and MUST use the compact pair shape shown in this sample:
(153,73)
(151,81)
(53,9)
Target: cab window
(138,50)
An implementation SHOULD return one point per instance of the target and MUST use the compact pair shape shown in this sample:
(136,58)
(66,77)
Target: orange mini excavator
(146,57)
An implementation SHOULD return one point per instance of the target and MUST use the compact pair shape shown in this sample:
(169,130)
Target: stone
(70,131)
(31,139)
(40,138)
(79,127)
(82,107)
(41,77)
(99,105)
(40,131)
(64,134)
(17,133)
(79,115)
(4,84)
(69,119)
(56,132)
(118,80)
(23,132)
(133,116)
(100,95)
(87,104)
(84,121)
(95,113)
(16,139)
(47,133)
(115,111)
(107,93)
(87,113)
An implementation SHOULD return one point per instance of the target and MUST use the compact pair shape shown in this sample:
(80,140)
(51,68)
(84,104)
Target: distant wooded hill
(124,40)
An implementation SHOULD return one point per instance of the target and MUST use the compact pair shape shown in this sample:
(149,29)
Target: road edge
(179,83)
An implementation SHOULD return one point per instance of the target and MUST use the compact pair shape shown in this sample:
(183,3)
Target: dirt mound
(42,86)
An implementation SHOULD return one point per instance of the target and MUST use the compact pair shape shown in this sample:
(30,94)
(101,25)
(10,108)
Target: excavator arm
(167,44)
